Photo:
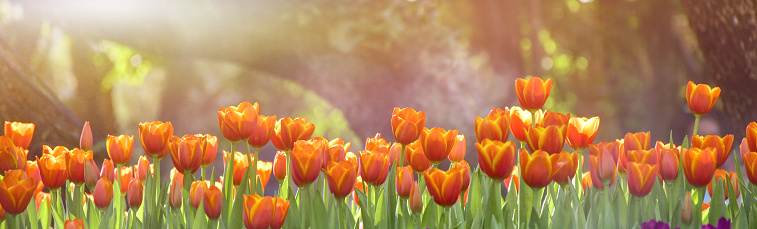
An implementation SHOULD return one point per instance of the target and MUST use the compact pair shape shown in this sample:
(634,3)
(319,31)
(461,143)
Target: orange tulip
(394,153)
(108,170)
(307,158)
(586,181)
(496,158)
(264,172)
(336,151)
(85,140)
(127,174)
(258,211)
(103,193)
(380,145)
(120,148)
(465,170)
(548,118)
(91,175)
(20,133)
(262,131)
(520,121)
(722,145)
(212,202)
(32,170)
(669,162)
(197,192)
(581,132)
(52,170)
(74,224)
(341,177)
(699,165)
(445,187)
(280,166)
(238,122)
(643,156)
(359,186)
(415,202)
(750,163)
(280,214)
(722,175)
(641,178)
(548,139)
(143,165)
(240,166)
(493,127)
(437,143)
(351,157)
(407,124)
(136,190)
(458,152)
(10,155)
(537,168)
(374,167)
(701,98)
(289,131)
(16,191)
(155,137)
(209,147)
(415,156)
(565,168)
(532,93)
(40,198)
(751,136)
(636,141)
(602,161)
(514,177)
(174,195)
(75,161)
(186,153)
(404,181)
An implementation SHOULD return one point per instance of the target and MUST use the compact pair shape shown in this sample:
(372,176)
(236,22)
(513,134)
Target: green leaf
(293,217)
(478,222)
(364,209)
(430,217)
(380,205)
(578,213)
(44,213)
(320,213)
(31,211)
(237,209)
(105,218)
(200,220)
(717,202)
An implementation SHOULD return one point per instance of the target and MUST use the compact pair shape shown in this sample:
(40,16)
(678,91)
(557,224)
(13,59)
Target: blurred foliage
(128,66)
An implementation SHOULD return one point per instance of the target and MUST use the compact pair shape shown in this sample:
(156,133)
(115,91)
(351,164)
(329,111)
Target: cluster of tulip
(629,180)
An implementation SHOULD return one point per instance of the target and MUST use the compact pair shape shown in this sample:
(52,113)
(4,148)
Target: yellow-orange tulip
(120,148)
(341,177)
(751,136)
(548,118)
(103,193)
(108,170)
(520,121)
(722,145)
(264,172)
(307,158)
(445,187)
(212,202)
(155,137)
(532,93)
(536,168)
(53,170)
(602,161)
(458,152)
(280,165)
(437,143)
(10,155)
(75,163)
(281,207)
(465,170)
(374,167)
(404,181)
(548,139)
(415,156)
(642,156)
(41,197)
(750,163)
(136,191)
(289,131)
(127,174)
(565,168)
(209,146)
(74,224)
(237,122)
(240,165)
(407,124)
(262,131)
(636,141)
(32,170)
(699,165)
(143,165)
(493,127)
(514,177)
(85,140)
(197,192)
(641,178)
(258,211)
(581,132)
(336,151)
(20,133)
(415,202)
(16,191)
(186,153)
(701,98)
(586,181)
(496,158)
(721,176)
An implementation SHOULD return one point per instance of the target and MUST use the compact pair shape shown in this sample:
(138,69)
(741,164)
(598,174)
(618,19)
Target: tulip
(186,153)
(32,170)
(279,166)
(374,167)
(636,141)
(751,136)
(687,209)
(415,202)
(75,161)
(288,131)
(493,127)
(264,172)
(16,191)
(437,143)
(174,195)
(262,131)
(520,121)
(341,177)
(586,181)
(307,158)
(20,133)
(537,168)
(74,224)
(40,198)
(445,187)
(465,170)
(458,152)
(581,132)
(407,124)
(642,156)
(404,181)
(415,156)
(238,122)
(143,165)
(565,168)
(85,140)
(127,175)
(359,184)
(602,163)
(120,148)
(722,175)
(280,214)
(699,165)
(209,147)
(641,178)
(135,193)
(197,192)
(103,193)
(108,170)
(549,139)
(532,93)
(155,137)
(258,211)
(52,170)
(669,162)
(336,151)
(212,202)
(378,144)
(10,155)
(548,118)
(351,157)
(514,177)
(701,98)
(722,146)
(91,175)
(496,158)
(394,152)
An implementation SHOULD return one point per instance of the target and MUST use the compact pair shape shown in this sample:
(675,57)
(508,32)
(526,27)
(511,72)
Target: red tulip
(374,167)
(155,137)
(548,118)
(120,148)
(602,161)
(280,166)
(136,190)
(701,98)
(548,139)
(415,156)
(75,161)
(537,168)
(404,181)
(565,168)
(533,93)
(20,133)
(288,131)
(407,124)
(103,193)
(496,158)
(641,178)
(751,136)
(74,224)
(415,202)
(281,207)
(186,153)
(722,146)
(91,175)
(197,192)
(341,177)
(258,211)
(85,140)
(699,165)
(458,152)
(493,127)
(262,131)
(143,165)
(721,176)
(237,122)
(212,202)
(445,187)
(108,170)
(643,156)
(11,155)
(669,162)
(437,143)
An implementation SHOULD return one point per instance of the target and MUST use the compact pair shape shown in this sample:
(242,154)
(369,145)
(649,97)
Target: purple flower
(652,224)
(722,224)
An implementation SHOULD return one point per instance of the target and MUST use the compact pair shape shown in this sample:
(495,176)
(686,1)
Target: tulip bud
(197,192)
(415,202)
(135,193)
(687,209)
(90,173)
(103,193)
(212,202)
(177,182)
(108,170)
(404,181)
(74,224)
(142,166)
(85,141)
(280,165)
(458,152)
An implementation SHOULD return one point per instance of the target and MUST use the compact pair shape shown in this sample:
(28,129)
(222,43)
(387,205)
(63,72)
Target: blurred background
(344,65)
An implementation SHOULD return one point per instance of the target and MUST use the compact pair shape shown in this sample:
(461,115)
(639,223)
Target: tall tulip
(186,153)
(493,127)
(262,131)
(279,165)
(602,161)
(581,132)
(404,181)
(532,93)
(120,148)
(407,124)
(197,192)
(548,139)
(10,155)
(721,176)
(751,136)
(641,178)
(437,143)
(445,187)
(288,131)
(536,168)
(496,158)
(136,191)
(237,122)
(520,121)
(722,146)
(669,163)
(103,193)
(16,191)
(565,168)
(701,98)
(155,137)
(307,158)
(75,161)
(52,170)
(699,165)
(212,202)
(416,157)
(209,146)
(258,211)
(374,167)
(281,207)
(85,140)
(20,133)
(341,177)
(458,152)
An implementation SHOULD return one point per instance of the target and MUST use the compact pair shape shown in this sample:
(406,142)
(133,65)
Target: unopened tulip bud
(103,193)
(177,181)
(212,202)
(91,175)
(197,192)
(74,224)
(135,193)
(85,141)
(416,205)
(686,209)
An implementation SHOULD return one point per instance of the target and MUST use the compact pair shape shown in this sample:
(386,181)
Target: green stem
(202,173)
(696,128)
(698,209)
(156,195)
(254,176)
(118,199)
(449,216)
(252,173)
(10,221)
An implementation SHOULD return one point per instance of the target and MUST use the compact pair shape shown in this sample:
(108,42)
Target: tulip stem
(11,221)
(250,168)
(255,151)
(700,197)
(202,173)
(156,195)
(696,128)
